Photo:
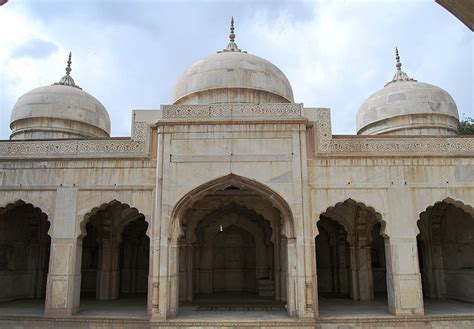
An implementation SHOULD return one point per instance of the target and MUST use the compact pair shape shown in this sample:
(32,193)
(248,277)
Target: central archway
(234,241)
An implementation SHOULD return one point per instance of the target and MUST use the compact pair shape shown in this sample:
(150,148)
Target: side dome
(62,110)
(408,107)
(232,76)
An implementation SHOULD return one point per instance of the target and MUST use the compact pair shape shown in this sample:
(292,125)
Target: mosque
(236,206)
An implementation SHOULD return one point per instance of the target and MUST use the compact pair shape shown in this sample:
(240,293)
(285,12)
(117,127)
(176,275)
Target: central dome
(232,76)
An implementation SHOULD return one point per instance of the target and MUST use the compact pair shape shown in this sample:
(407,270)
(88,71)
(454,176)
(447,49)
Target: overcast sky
(129,54)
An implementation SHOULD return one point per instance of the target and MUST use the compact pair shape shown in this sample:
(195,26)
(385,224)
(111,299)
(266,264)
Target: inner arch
(232,245)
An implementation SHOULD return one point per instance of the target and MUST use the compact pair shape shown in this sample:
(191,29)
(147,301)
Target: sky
(129,54)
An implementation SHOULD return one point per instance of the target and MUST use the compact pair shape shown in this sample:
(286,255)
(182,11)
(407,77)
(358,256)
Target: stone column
(291,297)
(163,303)
(354,292)
(343,287)
(311,282)
(306,258)
(108,273)
(437,257)
(173,277)
(404,290)
(364,274)
(189,272)
(155,270)
(64,277)
(153,279)
(33,260)
(277,264)
(362,285)
(284,268)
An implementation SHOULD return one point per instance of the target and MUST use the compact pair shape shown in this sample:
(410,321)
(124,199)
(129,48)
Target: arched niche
(114,248)
(217,196)
(24,251)
(446,250)
(351,254)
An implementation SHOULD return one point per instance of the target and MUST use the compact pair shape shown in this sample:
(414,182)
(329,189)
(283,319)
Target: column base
(308,316)
(60,312)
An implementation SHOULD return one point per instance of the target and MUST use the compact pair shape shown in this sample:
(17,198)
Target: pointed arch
(231,180)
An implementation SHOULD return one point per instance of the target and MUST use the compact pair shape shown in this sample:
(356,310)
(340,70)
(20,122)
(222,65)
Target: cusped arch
(247,219)
(331,213)
(467,208)
(189,198)
(253,218)
(20,202)
(133,216)
(45,204)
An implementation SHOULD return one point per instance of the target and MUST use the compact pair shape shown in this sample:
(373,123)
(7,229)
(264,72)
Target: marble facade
(239,198)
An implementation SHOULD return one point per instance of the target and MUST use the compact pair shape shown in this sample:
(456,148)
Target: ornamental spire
(232,46)
(232,34)
(397,58)
(68,68)
(67,80)
(399,75)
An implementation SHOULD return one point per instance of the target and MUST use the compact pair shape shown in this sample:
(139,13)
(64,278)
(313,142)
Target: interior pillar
(34,256)
(277,265)
(354,292)
(108,273)
(439,286)
(364,274)
(189,272)
(343,287)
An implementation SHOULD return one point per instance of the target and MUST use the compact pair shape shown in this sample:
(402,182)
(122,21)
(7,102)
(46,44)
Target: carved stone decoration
(361,145)
(238,110)
(324,130)
(401,145)
(136,146)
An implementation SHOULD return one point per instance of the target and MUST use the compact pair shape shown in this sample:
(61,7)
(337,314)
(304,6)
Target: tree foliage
(466,126)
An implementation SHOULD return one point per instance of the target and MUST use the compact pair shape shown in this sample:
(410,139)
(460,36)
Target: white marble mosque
(236,206)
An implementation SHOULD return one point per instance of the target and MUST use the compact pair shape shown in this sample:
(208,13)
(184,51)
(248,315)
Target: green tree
(466,126)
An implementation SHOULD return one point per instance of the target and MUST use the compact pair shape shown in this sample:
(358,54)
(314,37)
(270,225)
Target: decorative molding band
(424,145)
(393,145)
(232,158)
(237,110)
(43,321)
(136,146)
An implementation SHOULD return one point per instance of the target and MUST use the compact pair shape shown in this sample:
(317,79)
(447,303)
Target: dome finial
(67,80)
(232,34)
(399,75)
(68,68)
(397,58)
(232,46)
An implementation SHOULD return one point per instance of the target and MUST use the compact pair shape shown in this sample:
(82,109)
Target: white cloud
(335,54)
(345,52)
